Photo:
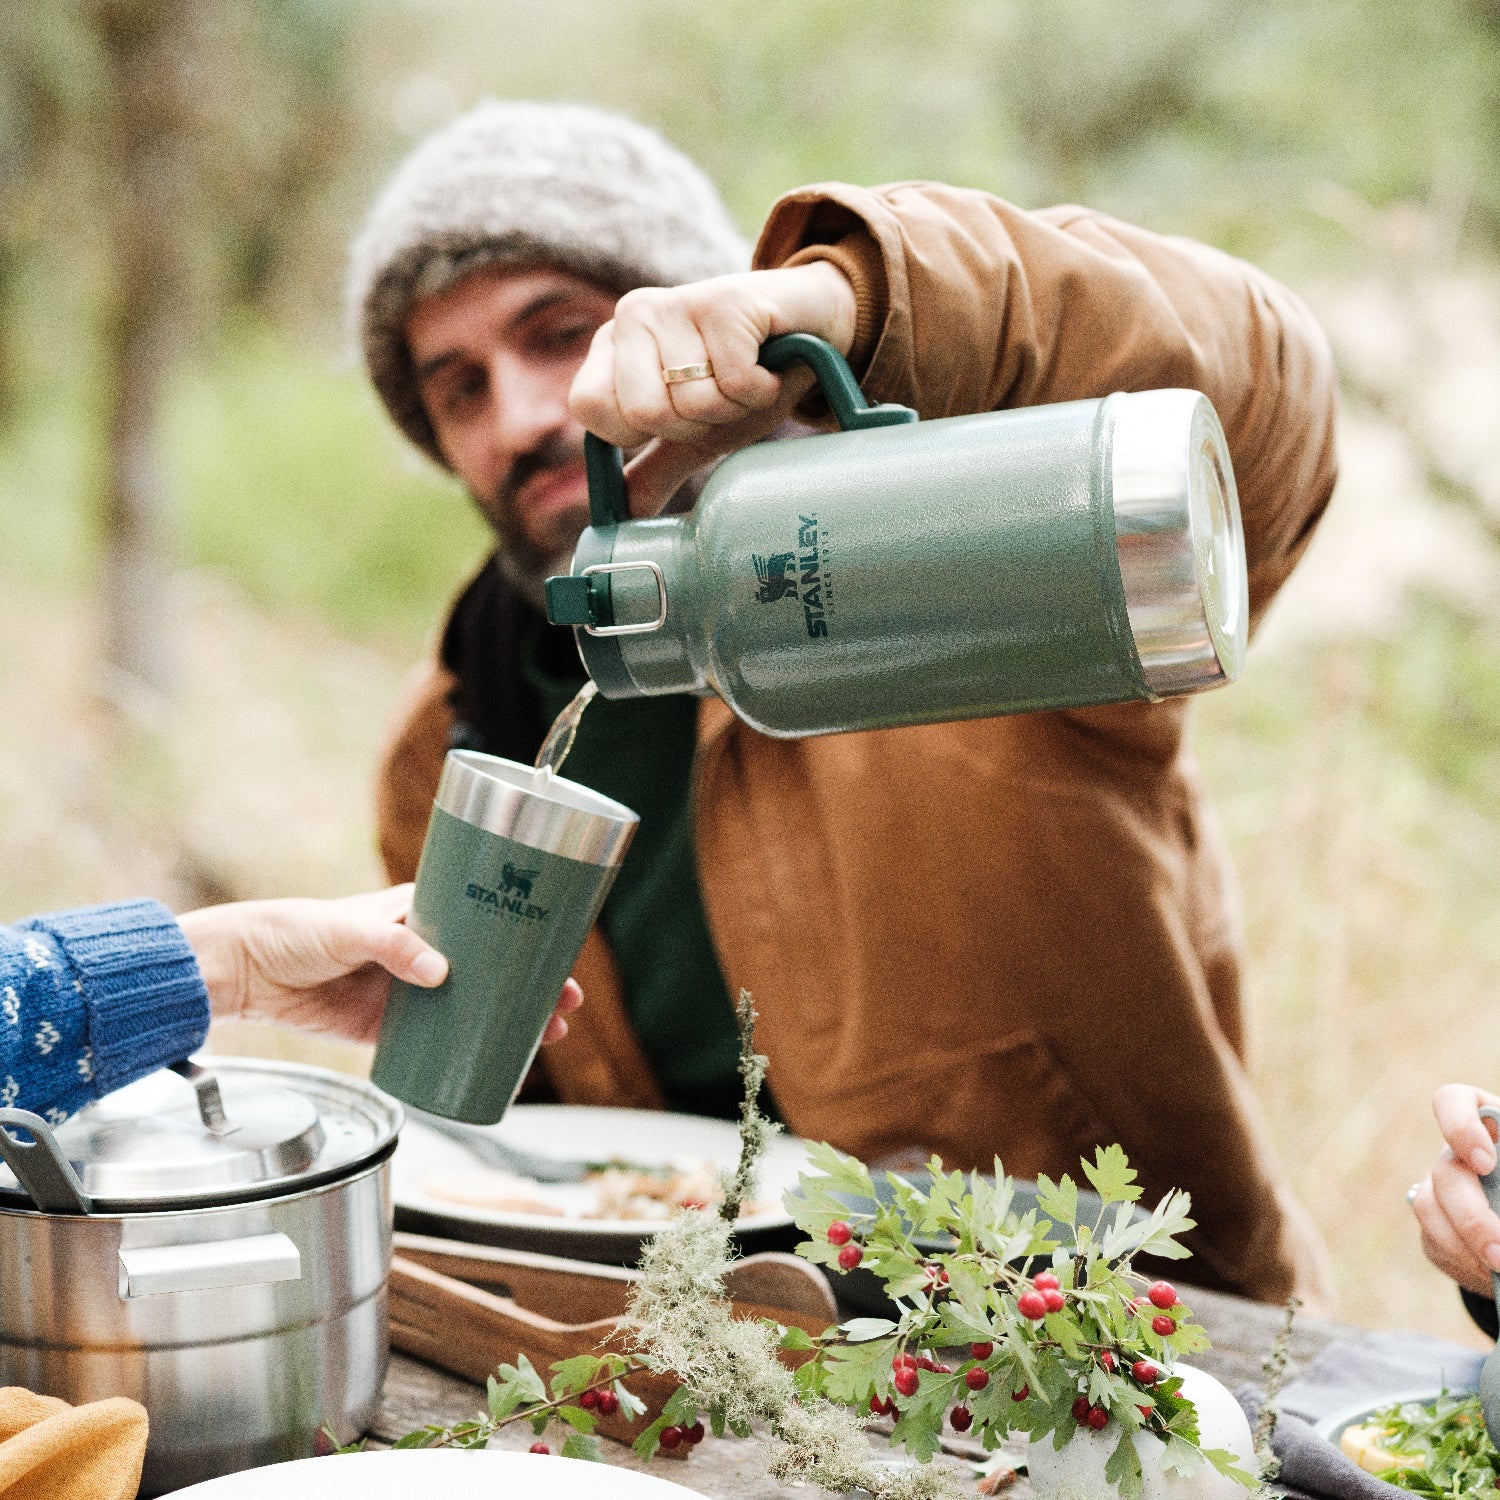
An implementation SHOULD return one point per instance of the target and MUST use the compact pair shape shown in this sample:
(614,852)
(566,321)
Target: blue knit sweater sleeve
(91,1000)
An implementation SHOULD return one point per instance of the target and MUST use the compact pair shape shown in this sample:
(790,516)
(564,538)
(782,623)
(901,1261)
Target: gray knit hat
(508,183)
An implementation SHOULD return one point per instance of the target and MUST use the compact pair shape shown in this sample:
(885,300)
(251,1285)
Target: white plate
(445,1472)
(574,1132)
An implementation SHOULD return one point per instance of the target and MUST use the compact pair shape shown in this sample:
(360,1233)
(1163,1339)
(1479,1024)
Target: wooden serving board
(468,1308)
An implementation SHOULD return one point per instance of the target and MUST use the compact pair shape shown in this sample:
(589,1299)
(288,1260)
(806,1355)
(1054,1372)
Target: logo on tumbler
(774,582)
(514,895)
(800,575)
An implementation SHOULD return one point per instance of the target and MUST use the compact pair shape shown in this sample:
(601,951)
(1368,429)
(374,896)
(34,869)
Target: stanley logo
(798,575)
(514,895)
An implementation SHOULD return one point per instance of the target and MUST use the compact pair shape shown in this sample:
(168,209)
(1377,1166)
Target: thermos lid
(535,807)
(195,1137)
(1179,540)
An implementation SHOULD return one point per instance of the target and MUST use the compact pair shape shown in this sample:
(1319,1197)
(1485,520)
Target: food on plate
(484,1187)
(1436,1447)
(610,1190)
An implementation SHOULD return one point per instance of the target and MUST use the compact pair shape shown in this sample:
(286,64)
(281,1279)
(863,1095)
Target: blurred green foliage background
(189,460)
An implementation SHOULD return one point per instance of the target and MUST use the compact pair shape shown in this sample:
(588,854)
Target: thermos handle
(605,464)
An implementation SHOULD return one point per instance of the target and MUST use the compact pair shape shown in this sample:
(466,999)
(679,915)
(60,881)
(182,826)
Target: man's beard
(527,560)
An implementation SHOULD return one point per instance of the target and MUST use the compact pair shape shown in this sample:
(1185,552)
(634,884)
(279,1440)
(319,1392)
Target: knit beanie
(559,185)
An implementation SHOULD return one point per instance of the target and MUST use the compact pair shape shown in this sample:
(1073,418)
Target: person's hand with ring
(1460,1232)
(680,366)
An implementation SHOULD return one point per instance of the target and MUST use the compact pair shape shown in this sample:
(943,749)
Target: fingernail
(1492,1256)
(429,968)
(1481,1160)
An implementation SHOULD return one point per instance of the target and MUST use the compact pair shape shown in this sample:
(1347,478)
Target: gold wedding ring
(679,373)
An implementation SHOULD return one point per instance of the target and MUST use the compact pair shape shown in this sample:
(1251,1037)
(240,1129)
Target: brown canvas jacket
(1015,936)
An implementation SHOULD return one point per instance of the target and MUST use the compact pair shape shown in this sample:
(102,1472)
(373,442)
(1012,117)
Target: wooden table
(1242,1333)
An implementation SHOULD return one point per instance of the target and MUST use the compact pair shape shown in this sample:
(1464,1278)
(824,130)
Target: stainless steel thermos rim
(1179,540)
(535,808)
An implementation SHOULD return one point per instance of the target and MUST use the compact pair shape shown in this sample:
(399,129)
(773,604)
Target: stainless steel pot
(218,1252)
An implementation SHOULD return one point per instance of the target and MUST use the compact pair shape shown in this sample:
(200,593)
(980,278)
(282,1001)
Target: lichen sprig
(756,1131)
(1274,1369)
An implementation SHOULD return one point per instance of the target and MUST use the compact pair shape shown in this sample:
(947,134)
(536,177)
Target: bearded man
(1009,937)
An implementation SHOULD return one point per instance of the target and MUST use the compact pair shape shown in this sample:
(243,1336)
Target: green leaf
(1111,1175)
(797,1338)
(423,1438)
(577,1445)
(645,1446)
(572,1375)
(1059,1200)
(523,1376)
(857,1331)
(1124,1467)
(631,1405)
(577,1418)
(681,1408)
(1224,1461)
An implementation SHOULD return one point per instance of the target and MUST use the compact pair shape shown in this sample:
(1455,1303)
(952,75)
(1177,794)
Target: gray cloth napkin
(1344,1378)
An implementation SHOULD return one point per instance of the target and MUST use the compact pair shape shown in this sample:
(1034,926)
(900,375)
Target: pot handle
(41,1168)
(210,1100)
(605,464)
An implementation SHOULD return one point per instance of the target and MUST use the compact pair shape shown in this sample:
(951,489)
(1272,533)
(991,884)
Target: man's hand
(322,966)
(1460,1232)
(621,394)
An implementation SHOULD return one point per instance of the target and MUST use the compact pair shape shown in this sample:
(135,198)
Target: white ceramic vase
(1076,1472)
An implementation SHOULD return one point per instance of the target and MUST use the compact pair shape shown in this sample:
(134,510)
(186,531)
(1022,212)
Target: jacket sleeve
(91,1000)
(969,304)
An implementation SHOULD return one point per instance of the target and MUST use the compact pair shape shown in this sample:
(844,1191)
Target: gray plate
(1332,1426)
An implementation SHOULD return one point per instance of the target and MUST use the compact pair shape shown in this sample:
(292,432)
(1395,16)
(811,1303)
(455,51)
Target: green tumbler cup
(515,868)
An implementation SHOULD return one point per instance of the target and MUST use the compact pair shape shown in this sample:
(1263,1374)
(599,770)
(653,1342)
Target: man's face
(495,356)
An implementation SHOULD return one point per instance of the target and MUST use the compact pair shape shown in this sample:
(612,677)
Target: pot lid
(218,1131)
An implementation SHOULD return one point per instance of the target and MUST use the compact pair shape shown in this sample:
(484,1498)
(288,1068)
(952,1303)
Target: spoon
(1489,1376)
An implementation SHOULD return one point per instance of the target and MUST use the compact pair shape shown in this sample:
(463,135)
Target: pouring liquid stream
(563,732)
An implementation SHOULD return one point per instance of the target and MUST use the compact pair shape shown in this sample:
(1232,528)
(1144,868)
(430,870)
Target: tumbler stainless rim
(535,808)
(1179,540)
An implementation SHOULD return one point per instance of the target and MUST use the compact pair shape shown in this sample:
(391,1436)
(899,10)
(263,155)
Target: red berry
(1163,1325)
(1021,1394)
(1054,1299)
(850,1256)
(906,1382)
(961,1418)
(1162,1294)
(943,1369)
(1080,1408)
(609,1403)
(670,1437)
(904,1362)
(1032,1305)
(693,1435)
(839,1233)
(1097,1418)
(1145,1372)
(976,1377)
(538,1448)
(589,1400)
(926,1362)
(1108,1361)
(1131,1306)
(880,1406)
(1145,1411)
(981,1351)
(1044,1281)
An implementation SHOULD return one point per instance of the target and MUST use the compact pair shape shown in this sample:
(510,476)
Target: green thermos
(904,572)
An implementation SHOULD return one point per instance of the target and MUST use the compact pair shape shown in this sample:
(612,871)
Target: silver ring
(676,374)
(1412,1191)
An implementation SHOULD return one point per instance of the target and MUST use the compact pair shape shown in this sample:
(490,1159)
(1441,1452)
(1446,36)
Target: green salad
(1434,1447)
